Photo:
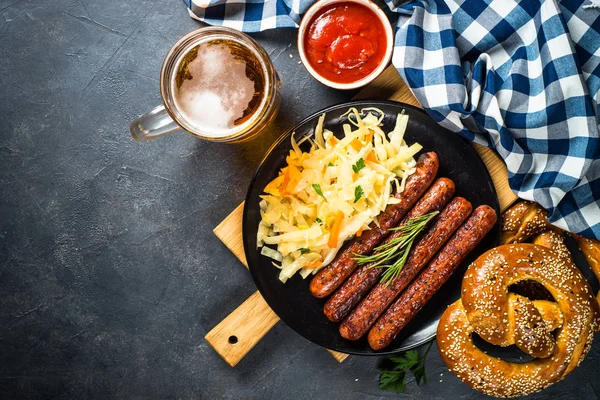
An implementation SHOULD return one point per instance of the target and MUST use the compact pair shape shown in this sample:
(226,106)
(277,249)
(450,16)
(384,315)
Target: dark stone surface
(110,275)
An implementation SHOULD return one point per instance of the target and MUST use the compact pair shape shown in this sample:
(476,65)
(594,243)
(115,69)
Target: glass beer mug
(217,84)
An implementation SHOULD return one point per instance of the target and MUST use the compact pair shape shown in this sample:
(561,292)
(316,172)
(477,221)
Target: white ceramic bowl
(308,16)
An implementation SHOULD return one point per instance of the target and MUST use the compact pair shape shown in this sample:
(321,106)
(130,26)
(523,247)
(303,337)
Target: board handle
(241,330)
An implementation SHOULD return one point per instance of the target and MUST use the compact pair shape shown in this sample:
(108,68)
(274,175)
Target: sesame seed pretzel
(522,221)
(526,220)
(503,318)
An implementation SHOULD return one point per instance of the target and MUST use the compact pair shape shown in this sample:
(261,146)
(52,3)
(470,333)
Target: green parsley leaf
(411,358)
(393,379)
(358,192)
(330,164)
(319,220)
(303,250)
(419,373)
(360,164)
(317,188)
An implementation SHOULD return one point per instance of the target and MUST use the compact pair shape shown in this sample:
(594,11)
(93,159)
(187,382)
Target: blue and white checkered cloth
(520,77)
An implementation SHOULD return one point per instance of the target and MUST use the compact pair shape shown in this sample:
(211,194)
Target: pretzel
(553,239)
(523,220)
(502,318)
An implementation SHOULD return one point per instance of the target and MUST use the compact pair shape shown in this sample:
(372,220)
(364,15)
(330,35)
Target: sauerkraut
(333,191)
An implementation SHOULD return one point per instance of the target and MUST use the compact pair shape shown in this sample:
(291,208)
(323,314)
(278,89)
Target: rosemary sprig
(393,255)
(393,379)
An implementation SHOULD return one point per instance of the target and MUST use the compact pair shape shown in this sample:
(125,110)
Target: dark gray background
(110,275)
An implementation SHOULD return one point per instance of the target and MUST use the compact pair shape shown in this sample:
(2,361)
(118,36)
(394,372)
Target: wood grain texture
(239,332)
(253,319)
(338,356)
(230,233)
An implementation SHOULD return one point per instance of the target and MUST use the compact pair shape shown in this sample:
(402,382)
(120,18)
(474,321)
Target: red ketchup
(345,42)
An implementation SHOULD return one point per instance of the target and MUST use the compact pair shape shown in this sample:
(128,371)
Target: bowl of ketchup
(345,44)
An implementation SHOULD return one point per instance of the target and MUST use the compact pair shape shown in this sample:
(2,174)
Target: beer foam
(218,93)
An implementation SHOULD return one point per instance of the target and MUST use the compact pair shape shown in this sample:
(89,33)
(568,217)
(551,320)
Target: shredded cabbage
(273,254)
(334,191)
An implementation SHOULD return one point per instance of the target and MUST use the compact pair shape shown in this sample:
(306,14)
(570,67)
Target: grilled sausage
(361,281)
(432,278)
(367,312)
(332,276)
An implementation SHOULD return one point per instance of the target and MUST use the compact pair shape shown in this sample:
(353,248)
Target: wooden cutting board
(241,330)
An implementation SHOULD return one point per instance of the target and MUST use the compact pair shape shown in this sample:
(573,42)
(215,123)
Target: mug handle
(152,124)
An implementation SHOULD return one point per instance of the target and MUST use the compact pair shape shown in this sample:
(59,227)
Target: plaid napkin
(520,77)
